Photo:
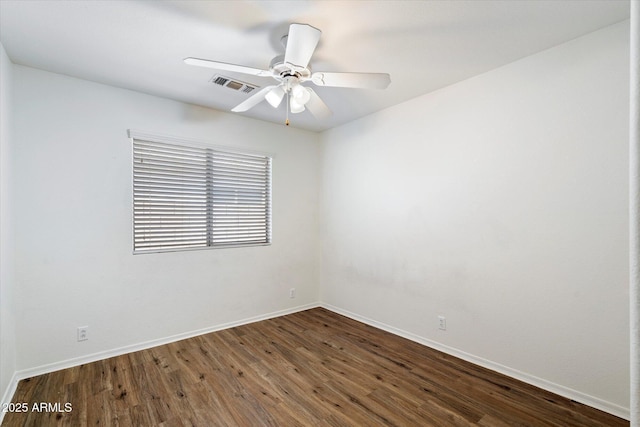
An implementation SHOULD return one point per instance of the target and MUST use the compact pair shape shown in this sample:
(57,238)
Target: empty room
(319,213)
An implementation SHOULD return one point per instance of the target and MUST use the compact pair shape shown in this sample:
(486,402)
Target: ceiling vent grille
(233,84)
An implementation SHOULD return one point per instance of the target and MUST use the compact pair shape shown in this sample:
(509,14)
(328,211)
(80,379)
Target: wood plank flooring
(312,368)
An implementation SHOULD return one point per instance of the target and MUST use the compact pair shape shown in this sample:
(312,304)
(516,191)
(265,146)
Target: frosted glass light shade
(296,106)
(300,94)
(274,96)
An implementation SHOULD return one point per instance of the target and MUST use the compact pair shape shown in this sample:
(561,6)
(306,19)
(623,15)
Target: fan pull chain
(286,122)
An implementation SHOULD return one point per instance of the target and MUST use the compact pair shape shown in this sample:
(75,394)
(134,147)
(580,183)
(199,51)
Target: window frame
(195,144)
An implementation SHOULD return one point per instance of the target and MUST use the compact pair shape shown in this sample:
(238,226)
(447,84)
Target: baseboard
(69,363)
(8,394)
(569,393)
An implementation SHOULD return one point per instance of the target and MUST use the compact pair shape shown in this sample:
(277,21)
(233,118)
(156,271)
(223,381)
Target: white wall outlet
(292,293)
(442,323)
(83,333)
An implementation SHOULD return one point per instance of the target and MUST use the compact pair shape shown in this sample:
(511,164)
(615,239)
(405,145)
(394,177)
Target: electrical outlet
(83,333)
(442,323)
(292,293)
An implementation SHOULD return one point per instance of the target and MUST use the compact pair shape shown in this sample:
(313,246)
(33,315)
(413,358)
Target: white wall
(7,278)
(501,203)
(74,266)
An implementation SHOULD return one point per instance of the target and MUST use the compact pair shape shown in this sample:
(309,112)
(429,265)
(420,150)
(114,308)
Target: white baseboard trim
(569,393)
(76,361)
(8,394)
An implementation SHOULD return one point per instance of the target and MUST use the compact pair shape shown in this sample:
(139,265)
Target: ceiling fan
(291,70)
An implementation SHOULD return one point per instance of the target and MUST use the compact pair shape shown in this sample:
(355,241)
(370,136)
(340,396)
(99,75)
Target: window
(189,196)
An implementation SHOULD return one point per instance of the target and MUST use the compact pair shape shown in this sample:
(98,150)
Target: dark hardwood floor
(312,368)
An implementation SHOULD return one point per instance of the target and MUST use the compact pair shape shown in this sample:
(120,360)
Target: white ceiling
(423,45)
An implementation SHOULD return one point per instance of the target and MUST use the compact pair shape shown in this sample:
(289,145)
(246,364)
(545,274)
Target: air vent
(233,84)
(219,80)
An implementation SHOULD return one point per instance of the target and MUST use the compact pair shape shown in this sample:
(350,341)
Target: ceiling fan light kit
(291,70)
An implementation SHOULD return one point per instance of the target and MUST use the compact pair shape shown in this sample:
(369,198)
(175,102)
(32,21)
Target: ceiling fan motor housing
(281,69)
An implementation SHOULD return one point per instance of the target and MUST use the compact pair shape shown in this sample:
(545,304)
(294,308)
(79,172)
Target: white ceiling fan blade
(253,100)
(227,67)
(301,42)
(316,106)
(353,80)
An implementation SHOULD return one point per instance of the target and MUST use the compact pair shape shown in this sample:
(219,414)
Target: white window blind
(187,197)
